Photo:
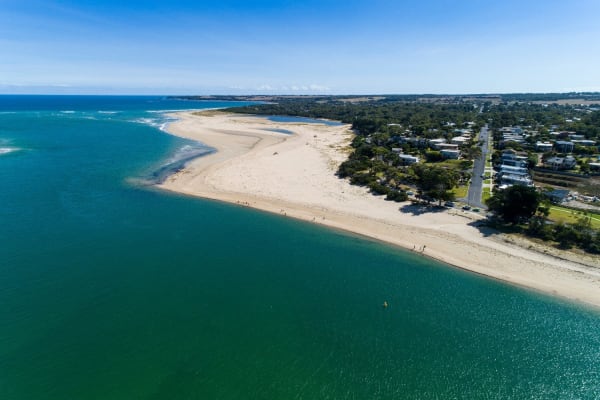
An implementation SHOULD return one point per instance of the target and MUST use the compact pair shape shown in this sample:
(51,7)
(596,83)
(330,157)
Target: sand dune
(294,175)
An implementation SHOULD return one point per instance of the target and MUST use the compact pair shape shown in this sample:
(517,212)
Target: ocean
(113,289)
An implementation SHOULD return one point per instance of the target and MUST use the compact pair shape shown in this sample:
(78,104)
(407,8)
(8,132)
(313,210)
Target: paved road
(476,187)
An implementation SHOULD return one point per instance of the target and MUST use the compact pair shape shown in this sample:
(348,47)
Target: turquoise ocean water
(110,289)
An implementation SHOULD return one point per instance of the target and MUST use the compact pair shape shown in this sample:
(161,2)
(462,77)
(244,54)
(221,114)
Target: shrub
(397,195)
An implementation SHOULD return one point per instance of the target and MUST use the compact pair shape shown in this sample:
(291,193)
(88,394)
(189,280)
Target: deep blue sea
(112,289)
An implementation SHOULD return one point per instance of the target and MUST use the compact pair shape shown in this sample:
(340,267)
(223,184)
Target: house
(463,132)
(507,169)
(543,147)
(513,179)
(556,163)
(511,130)
(513,170)
(515,163)
(450,154)
(460,140)
(512,134)
(511,155)
(447,146)
(435,143)
(564,146)
(415,141)
(557,195)
(407,159)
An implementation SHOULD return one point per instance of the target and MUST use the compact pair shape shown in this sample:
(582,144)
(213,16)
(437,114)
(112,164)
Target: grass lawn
(452,164)
(566,215)
(487,181)
(460,191)
(486,194)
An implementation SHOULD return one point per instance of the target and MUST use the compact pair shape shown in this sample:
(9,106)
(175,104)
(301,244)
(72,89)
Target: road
(476,186)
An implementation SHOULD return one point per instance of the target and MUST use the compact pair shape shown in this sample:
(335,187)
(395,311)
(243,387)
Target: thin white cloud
(319,88)
(293,88)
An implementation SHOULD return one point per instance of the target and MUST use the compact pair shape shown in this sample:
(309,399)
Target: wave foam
(179,159)
(6,150)
(159,123)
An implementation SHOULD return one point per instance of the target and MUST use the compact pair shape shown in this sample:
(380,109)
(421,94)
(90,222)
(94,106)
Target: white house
(512,179)
(544,146)
(435,143)
(460,140)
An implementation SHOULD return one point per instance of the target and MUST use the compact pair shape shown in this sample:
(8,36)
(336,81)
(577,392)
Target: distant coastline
(294,175)
(558,97)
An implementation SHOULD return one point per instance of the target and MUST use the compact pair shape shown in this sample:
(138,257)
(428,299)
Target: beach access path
(294,175)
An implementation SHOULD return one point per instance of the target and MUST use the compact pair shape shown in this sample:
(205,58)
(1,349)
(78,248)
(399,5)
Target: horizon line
(303,94)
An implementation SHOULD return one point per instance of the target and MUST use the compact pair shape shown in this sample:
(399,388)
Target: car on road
(449,204)
(466,208)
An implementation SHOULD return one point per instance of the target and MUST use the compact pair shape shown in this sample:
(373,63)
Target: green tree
(433,156)
(565,235)
(436,182)
(538,224)
(471,152)
(514,204)
(532,160)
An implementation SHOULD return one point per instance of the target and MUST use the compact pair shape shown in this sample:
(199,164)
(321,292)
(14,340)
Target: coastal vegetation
(526,211)
(515,204)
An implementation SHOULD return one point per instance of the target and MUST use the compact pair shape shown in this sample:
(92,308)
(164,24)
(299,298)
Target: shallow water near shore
(111,289)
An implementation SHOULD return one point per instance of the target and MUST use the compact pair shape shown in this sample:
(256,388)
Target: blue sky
(331,47)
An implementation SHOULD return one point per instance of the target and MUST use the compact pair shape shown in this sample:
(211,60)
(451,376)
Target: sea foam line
(6,150)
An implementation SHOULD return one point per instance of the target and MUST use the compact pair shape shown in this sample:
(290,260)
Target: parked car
(449,204)
(466,207)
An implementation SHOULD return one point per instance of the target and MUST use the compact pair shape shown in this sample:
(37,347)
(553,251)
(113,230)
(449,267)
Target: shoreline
(294,175)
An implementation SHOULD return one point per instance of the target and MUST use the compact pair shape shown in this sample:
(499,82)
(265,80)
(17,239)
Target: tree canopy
(515,204)
(436,182)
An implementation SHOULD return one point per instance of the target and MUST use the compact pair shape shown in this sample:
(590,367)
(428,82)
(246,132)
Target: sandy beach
(294,175)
